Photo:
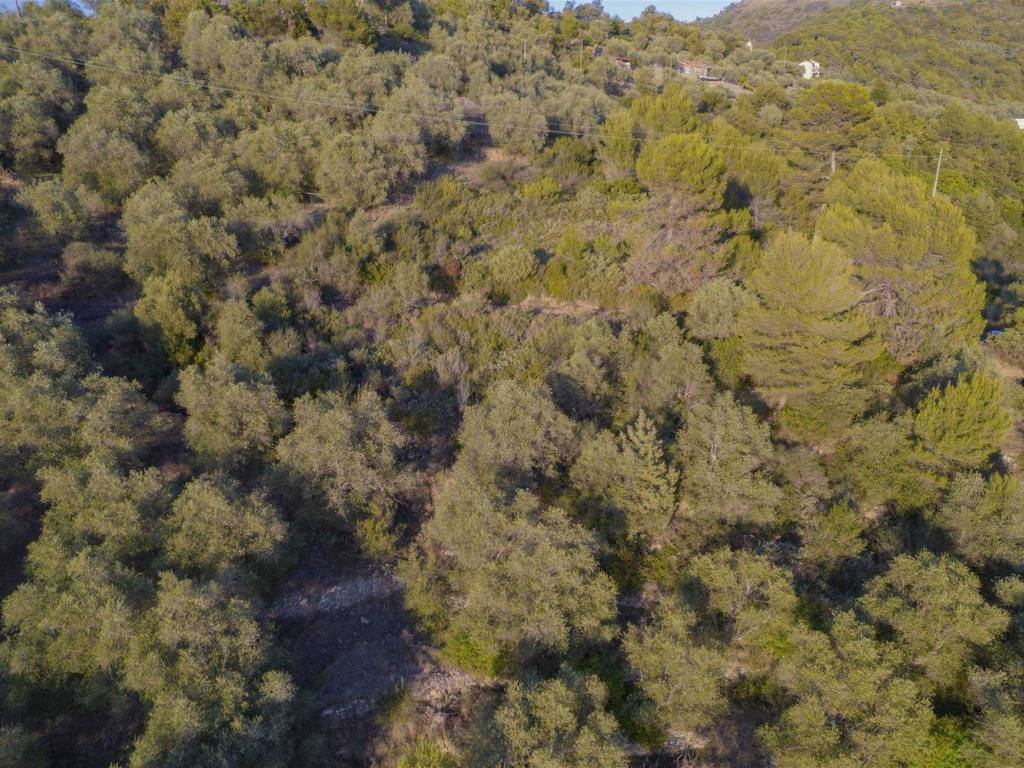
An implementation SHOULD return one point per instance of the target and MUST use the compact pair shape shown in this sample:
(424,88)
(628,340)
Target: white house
(811,69)
(1020,123)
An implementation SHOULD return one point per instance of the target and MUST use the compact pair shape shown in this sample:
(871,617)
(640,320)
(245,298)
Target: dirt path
(353,645)
(546,305)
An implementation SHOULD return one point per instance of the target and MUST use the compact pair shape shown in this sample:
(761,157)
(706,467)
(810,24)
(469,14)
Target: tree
(751,599)
(240,336)
(233,419)
(59,208)
(559,723)
(832,536)
(681,677)
(934,607)
(666,373)
(723,450)
(629,472)
(517,433)
(163,238)
(852,706)
(169,312)
(683,165)
(504,581)
(345,453)
(515,123)
(807,343)
(43,359)
(715,307)
(213,525)
(103,161)
(111,512)
(619,142)
(912,253)
(344,18)
(39,101)
(963,424)
(20,749)
(831,114)
(357,170)
(201,663)
(983,519)
(671,111)
(70,619)
(875,464)
(119,424)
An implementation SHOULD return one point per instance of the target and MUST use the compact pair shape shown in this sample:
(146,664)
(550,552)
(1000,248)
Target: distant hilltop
(765,20)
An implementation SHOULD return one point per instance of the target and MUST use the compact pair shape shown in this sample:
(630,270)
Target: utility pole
(833,173)
(938,170)
(581,53)
(17,6)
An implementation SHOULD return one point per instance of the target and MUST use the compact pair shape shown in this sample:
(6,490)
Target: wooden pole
(938,170)
(17,7)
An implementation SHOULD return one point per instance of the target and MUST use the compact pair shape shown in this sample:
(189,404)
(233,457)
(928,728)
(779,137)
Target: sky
(684,10)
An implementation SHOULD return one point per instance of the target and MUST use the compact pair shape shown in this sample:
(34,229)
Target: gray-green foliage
(516,431)
(629,473)
(233,417)
(515,123)
(559,722)
(934,607)
(723,450)
(213,525)
(852,706)
(512,577)
(983,518)
(344,452)
(681,676)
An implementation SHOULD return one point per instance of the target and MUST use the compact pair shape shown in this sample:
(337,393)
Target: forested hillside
(442,384)
(765,20)
(971,50)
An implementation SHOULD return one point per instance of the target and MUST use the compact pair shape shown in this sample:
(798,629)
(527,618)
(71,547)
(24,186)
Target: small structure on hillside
(811,69)
(896,4)
(623,62)
(1020,123)
(750,45)
(694,68)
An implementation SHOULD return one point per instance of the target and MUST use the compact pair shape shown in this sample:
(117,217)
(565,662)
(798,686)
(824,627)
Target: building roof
(695,63)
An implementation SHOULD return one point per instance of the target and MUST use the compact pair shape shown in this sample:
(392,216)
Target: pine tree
(652,487)
(963,423)
(684,165)
(807,343)
(629,473)
(913,254)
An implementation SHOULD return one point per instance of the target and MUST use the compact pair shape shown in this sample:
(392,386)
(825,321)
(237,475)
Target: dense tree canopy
(439,383)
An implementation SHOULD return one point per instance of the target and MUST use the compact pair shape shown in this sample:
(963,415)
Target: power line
(375,109)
